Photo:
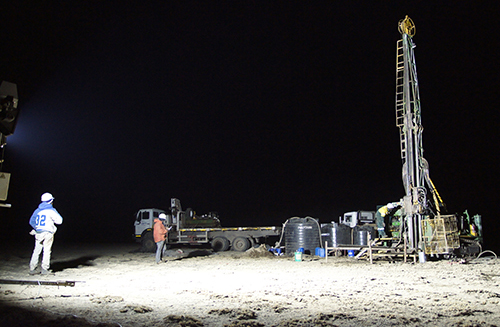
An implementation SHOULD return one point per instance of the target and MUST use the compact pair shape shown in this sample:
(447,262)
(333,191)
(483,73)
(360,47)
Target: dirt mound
(259,252)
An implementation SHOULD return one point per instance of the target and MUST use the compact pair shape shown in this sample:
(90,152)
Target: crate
(440,234)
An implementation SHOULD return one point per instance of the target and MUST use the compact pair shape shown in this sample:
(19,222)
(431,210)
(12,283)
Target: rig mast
(418,209)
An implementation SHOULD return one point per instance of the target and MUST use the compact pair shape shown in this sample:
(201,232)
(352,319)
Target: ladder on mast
(400,109)
(407,97)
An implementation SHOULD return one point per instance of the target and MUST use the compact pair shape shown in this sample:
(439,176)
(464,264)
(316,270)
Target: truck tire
(220,244)
(148,243)
(241,244)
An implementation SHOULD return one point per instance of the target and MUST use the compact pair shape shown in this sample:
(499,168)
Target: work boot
(45,272)
(33,272)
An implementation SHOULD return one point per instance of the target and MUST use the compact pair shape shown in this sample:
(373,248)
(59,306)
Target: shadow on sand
(175,255)
(58,266)
(14,316)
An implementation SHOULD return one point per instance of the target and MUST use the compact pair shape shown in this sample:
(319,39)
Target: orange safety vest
(159,231)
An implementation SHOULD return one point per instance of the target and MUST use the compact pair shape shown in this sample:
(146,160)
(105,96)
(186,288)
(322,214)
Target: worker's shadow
(191,254)
(75,263)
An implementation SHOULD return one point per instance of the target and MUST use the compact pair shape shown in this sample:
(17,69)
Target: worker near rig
(380,215)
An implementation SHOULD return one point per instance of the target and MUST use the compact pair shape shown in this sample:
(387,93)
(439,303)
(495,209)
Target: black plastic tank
(302,233)
(360,234)
(335,234)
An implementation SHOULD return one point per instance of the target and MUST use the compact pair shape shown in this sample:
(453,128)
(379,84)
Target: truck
(355,218)
(186,227)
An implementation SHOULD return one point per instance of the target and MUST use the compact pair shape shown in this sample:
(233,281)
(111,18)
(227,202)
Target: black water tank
(302,233)
(335,234)
(360,234)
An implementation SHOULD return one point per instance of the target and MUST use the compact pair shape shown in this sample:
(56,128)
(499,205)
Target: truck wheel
(220,243)
(241,244)
(148,243)
(253,243)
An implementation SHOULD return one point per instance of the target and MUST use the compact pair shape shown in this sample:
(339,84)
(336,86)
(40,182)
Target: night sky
(259,110)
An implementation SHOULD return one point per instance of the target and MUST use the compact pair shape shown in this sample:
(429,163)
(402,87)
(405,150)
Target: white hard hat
(162,216)
(47,197)
(391,206)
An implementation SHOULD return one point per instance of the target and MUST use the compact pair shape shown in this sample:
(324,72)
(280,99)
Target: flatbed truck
(185,227)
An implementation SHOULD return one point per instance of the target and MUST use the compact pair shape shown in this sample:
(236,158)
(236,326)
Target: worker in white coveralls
(43,221)
(380,215)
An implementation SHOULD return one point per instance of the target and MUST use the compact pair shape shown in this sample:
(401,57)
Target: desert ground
(118,285)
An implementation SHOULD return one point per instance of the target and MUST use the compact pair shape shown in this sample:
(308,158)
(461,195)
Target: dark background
(259,110)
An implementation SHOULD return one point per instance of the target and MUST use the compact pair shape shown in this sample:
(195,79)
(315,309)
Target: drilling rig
(419,224)
(425,225)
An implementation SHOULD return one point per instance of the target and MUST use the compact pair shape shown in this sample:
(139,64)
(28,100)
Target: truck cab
(354,218)
(144,220)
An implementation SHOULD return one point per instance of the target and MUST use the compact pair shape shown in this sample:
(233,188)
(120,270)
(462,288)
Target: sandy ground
(116,285)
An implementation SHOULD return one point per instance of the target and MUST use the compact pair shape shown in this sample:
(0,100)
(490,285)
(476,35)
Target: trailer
(185,227)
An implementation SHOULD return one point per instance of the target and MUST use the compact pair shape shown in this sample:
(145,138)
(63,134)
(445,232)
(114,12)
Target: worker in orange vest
(160,235)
